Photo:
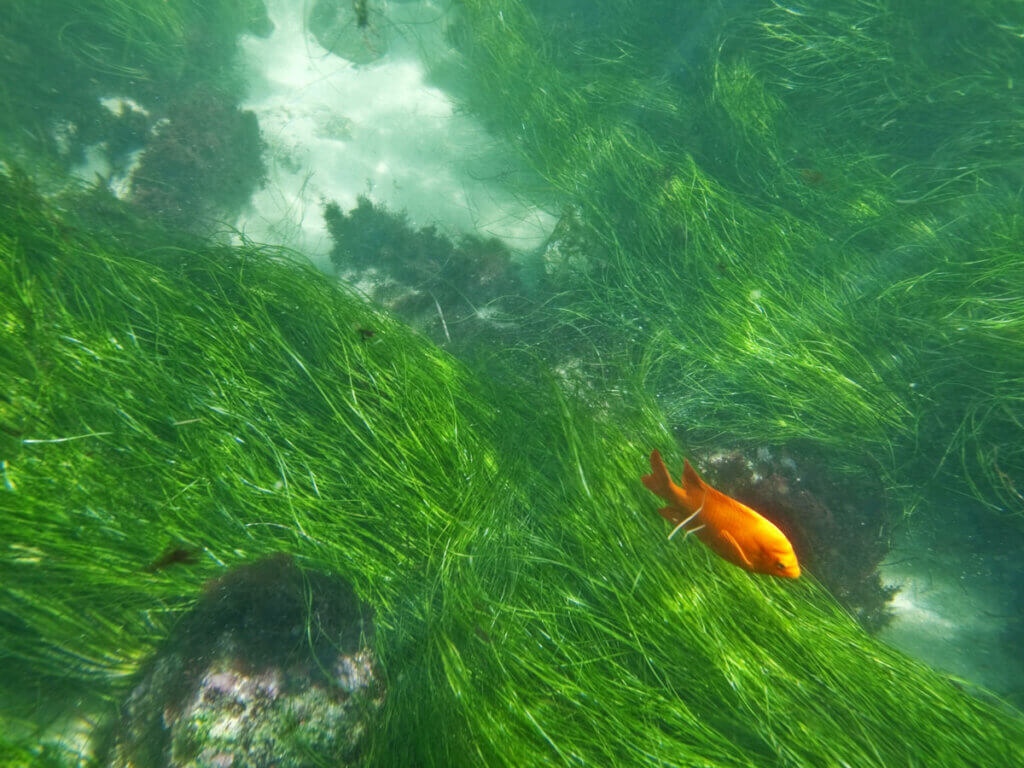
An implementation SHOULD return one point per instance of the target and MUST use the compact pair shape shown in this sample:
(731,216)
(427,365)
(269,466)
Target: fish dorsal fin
(691,481)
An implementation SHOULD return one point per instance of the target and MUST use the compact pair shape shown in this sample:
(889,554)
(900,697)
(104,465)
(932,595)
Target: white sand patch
(336,130)
(95,167)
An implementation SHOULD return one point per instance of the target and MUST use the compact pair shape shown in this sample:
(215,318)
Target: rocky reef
(437,284)
(204,161)
(274,667)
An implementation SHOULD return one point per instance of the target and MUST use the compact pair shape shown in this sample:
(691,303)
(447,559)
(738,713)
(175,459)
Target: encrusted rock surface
(273,668)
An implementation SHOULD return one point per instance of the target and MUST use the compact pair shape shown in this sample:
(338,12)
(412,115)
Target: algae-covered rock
(59,59)
(204,158)
(471,285)
(254,677)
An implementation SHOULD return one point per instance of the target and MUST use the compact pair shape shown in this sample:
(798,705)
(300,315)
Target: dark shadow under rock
(273,667)
(836,524)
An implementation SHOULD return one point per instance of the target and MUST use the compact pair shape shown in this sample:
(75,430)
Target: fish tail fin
(658,482)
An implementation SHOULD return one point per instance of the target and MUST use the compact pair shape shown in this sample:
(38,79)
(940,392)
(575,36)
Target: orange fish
(733,530)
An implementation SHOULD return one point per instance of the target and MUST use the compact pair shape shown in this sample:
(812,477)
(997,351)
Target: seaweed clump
(421,274)
(345,28)
(810,211)
(208,155)
(59,58)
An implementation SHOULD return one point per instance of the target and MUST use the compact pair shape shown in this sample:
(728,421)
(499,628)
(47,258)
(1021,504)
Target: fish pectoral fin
(739,550)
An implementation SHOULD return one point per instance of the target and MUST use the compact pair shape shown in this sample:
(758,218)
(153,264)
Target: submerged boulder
(274,667)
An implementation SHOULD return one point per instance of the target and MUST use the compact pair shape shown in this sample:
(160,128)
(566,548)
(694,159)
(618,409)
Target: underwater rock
(570,251)
(423,276)
(274,667)
(836,524)
(257,20)
(351,29)
(208,154)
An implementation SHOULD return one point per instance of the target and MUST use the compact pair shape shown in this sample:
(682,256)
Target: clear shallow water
(954,612)
(336,130)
